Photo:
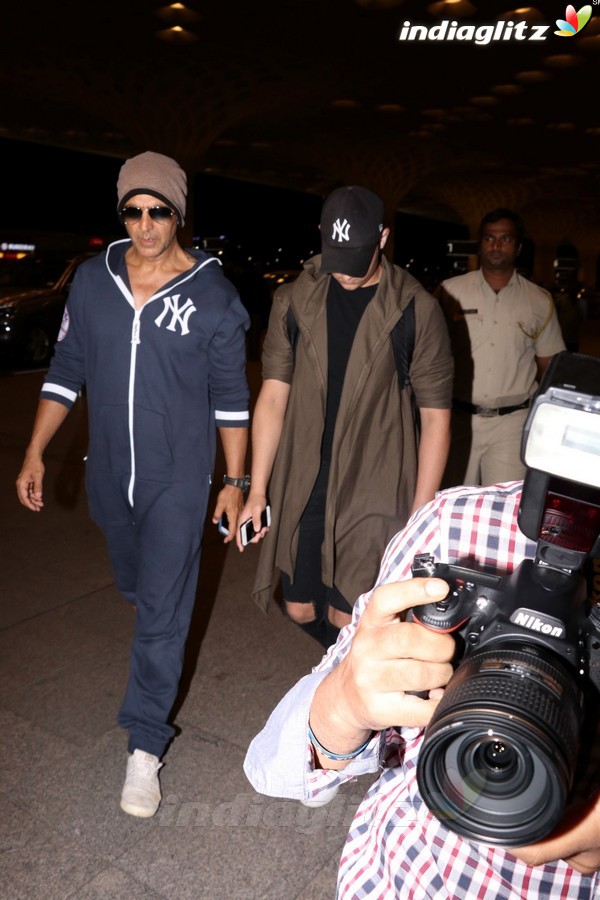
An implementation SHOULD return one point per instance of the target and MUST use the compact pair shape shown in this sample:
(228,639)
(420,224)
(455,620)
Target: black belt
(486,411)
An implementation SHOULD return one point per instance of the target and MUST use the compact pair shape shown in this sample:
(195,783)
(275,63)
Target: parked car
(33,293)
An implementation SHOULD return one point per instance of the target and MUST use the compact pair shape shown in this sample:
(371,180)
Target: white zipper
(135,339)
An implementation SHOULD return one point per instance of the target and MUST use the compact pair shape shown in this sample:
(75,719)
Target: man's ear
(384,236)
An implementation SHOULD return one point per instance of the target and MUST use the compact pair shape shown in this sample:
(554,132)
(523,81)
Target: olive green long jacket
(374,456)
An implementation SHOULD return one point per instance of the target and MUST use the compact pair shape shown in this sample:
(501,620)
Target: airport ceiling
(307,95)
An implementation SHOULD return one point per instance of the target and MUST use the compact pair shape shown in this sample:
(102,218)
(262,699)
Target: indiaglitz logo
(503,30)
(479,34)
(574,22)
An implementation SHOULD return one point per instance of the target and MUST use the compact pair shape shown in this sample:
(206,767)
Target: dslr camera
(501,753)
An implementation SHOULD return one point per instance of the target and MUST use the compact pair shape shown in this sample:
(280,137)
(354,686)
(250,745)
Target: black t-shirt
(344,312)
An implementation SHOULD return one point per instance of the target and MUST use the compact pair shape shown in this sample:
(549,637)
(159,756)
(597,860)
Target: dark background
(48,190)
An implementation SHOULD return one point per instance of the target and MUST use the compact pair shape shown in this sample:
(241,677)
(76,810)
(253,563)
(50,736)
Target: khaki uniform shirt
(497,337)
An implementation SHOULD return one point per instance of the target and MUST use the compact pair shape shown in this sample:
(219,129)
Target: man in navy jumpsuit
(157,335)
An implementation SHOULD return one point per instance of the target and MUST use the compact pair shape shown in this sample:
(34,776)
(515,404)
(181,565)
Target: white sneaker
(141,792)
(323,799)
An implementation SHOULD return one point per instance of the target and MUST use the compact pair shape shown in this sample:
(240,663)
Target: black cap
(351,226)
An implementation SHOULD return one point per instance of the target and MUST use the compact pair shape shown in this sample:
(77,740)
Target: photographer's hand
(576,840)
(388,657)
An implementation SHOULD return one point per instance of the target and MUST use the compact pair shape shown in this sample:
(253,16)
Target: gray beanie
(155,174)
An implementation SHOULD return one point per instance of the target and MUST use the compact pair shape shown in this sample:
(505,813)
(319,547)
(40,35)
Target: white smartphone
(247,528)
(223,525)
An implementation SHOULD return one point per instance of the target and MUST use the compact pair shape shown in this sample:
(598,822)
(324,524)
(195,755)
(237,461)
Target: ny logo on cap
(340,230)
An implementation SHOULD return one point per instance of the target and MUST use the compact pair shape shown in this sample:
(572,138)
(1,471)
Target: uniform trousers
(485,450)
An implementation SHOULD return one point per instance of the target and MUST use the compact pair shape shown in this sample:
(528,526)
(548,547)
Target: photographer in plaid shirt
(396,848)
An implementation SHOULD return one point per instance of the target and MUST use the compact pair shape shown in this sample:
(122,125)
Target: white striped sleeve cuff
(232,419)
(59,393)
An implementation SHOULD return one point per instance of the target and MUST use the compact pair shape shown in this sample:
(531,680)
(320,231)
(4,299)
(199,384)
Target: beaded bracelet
(337,756)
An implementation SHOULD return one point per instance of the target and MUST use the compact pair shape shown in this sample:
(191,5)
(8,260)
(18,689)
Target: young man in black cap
(161,378)
(334,441)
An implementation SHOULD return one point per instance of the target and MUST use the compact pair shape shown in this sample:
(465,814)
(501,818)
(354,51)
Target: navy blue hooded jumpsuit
(159,381)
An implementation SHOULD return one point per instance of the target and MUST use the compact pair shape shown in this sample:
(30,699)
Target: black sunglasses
(135,213)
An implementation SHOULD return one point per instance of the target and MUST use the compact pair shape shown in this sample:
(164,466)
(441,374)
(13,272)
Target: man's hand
(368,690)
(230,501)
(253,509)
(29,483)
(49,417)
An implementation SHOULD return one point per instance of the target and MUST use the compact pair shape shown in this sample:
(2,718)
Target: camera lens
(497,760)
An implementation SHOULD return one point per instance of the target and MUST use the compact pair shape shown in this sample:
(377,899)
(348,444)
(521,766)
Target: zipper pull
(135,331)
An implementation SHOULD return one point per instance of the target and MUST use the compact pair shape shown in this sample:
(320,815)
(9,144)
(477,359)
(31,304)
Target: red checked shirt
(395,847)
